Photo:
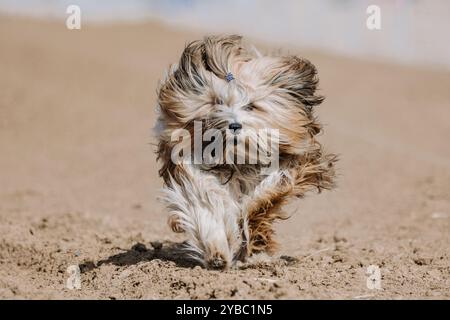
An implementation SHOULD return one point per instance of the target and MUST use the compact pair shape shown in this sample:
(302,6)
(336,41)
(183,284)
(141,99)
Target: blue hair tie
(229,77)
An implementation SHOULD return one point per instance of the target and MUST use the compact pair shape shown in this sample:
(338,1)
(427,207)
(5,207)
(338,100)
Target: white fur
(207,213)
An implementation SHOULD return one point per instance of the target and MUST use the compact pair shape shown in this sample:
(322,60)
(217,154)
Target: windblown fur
(228,211)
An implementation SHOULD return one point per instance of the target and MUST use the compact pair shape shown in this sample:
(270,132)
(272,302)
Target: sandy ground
(78,182)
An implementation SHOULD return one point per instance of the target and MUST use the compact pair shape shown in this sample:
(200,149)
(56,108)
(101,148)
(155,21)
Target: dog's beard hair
(227,210)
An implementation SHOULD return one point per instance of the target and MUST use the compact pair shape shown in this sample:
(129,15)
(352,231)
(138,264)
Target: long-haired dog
(228,209)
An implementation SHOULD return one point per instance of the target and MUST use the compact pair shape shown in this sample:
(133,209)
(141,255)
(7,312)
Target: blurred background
(78,174)
(413,31)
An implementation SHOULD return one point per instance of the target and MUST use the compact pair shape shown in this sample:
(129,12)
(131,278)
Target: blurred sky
(413,31)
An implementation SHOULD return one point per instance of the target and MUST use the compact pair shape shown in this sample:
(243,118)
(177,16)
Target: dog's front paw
(217,262)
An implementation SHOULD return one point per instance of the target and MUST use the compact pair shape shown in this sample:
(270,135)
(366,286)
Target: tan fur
(269,91)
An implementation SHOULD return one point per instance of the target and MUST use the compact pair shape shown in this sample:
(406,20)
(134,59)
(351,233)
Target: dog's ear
(189,76)
(185,84)
(299,78)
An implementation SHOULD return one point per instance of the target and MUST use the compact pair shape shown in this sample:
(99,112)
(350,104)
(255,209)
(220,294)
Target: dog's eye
(249,107)
(218,101)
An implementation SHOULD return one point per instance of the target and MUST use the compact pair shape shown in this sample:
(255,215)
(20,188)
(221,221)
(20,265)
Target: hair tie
(229,77)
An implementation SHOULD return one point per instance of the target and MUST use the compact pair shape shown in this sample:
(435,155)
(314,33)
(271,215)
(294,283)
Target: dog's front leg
(262,208)
(202,208)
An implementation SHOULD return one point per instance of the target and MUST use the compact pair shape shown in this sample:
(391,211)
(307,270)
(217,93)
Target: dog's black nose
(235,126)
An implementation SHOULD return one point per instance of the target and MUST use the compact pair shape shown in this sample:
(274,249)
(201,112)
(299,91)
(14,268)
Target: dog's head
(230,87)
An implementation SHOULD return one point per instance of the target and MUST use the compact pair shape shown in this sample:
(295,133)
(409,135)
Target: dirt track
(78,182)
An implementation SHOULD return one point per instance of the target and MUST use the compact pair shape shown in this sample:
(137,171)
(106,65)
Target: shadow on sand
(167,251)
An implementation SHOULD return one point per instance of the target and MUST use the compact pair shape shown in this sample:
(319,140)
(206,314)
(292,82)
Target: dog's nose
(235,126)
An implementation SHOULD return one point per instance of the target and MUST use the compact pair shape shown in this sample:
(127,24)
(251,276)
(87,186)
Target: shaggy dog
(228,209)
